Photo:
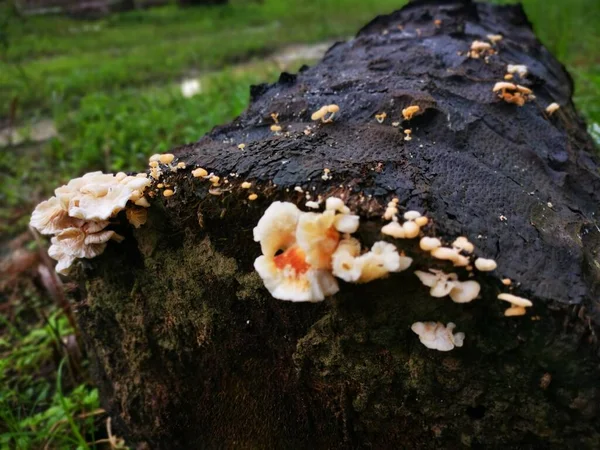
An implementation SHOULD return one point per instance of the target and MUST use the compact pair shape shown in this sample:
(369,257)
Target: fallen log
(190,350)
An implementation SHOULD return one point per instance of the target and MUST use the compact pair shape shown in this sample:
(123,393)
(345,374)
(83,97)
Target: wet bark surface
(189,349)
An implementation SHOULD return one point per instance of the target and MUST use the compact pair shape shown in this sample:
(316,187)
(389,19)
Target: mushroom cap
(503,85)
(347,223)
(49,217)
(428,243)
(465,291)
(277,227)
(514,300)
(393,229)
(480,45)
(317,237)
(319,114)
(462,243)
(485,265)
(514,311)
(411,229)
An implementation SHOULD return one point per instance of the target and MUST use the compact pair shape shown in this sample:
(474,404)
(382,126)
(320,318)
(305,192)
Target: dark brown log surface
(190,350)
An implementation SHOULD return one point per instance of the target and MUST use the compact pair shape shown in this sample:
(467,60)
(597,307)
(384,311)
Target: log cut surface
(190,350)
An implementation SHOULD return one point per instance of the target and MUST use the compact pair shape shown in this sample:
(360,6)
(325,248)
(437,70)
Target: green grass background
(112,88)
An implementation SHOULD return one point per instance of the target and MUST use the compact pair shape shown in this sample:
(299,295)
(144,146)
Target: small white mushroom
(518,304)
(411,229)
(336,204)
(462,243)
(450,254)
(552,108)
(428,243)
(411,215)
(393,229)
(514,300)
(436,336)
(485,265)
(199,173)
(443,284)
(347,223)
(520,69)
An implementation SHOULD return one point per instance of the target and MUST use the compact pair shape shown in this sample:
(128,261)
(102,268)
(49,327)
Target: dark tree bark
(190,350)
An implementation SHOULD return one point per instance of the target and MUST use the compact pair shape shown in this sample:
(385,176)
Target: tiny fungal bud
(199,172)
(506,281)
(246,185)
(485,265)
(153,164)
(494,37)
(168,192)
(411,229)
(552,108)
(421,221)
(252,197)
(275,128)
(380,117)
(410,111)
(181,165)
(166,158)
(520,69)
(154,157)
(241,146)
(462,243)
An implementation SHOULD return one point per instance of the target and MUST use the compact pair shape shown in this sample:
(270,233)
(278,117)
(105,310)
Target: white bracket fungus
(436,336)
(78,214)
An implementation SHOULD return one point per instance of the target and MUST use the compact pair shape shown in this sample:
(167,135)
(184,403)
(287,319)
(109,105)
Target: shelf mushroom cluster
(304,252)
(79,213)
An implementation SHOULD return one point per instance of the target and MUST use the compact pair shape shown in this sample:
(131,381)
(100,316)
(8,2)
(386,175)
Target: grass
(112,88)
(53,61)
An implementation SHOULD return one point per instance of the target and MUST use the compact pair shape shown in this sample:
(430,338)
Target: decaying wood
(189,349)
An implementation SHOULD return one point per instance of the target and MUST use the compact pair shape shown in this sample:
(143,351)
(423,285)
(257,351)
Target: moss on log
(191,351)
